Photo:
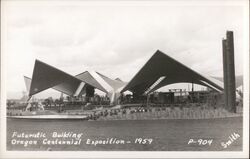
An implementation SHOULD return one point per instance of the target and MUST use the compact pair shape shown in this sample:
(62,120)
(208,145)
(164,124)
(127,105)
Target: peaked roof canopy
(161,70)
(88,78)
(45,76)
(115,84)
(63,87)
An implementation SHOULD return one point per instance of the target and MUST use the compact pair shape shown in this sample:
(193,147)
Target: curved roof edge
(156,69)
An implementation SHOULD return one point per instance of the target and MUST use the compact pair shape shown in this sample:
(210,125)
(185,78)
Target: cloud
(26,22)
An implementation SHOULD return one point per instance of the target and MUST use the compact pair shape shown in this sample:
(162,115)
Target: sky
(115,39)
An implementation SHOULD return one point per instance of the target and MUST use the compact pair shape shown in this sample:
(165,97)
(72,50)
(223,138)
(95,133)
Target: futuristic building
(160,70)
(46,76)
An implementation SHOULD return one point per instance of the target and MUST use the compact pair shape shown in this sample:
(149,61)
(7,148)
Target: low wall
(175,113)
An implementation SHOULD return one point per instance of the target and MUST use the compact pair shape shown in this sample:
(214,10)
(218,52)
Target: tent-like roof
(88,78)
(63,87)
(100,81)
(45,76)
(161,70)
(115,84)
(27,82)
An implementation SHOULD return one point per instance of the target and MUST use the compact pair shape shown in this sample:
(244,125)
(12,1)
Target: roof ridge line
(101,81)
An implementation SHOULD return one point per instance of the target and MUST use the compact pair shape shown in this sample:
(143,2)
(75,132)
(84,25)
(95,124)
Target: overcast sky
(114,39)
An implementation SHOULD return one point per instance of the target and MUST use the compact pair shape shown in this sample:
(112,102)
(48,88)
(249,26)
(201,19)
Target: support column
(192,86)
(231,72)
(114,96)
(225,71)
(79,89)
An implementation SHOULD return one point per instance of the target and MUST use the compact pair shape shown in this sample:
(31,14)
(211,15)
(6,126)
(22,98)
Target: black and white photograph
(140,79)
